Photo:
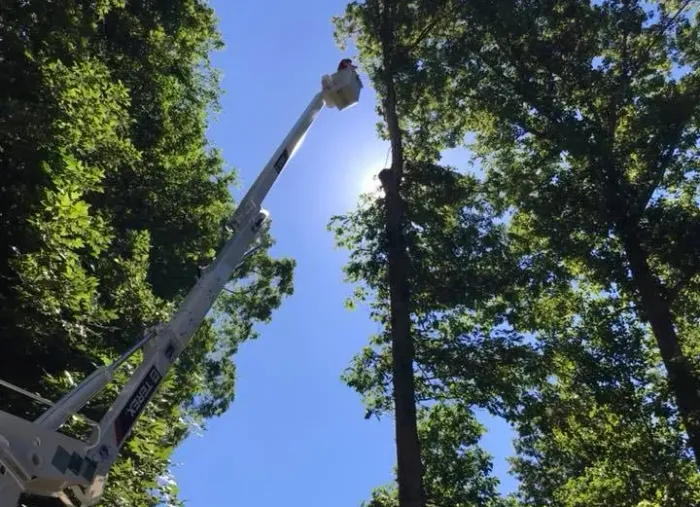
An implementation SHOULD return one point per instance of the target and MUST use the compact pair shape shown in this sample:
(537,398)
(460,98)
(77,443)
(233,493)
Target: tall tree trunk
(410,468)
(683,380)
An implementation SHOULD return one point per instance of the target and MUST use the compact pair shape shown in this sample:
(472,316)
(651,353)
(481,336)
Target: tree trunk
(684,382)
(410,468)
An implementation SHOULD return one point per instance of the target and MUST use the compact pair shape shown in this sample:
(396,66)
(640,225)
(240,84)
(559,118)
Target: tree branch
(430,26)
(660,171)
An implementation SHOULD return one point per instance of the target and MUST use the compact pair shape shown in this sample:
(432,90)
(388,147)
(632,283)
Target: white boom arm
(36,459)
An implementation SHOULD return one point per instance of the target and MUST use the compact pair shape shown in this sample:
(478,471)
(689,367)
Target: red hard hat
(345,63)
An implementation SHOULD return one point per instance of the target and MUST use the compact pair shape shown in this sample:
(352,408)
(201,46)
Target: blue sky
(295,434)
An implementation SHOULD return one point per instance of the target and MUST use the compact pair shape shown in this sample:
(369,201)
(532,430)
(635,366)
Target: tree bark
(683,380)
(410,468)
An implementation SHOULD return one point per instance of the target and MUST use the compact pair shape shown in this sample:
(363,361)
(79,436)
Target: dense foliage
(110,201)
(556,287)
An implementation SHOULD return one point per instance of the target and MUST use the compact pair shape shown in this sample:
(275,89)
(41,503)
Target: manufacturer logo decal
(136,404)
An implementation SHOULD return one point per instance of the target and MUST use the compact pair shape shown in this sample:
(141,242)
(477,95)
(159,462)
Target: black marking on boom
(281,161)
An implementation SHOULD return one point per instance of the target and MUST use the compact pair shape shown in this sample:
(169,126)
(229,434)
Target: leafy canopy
(111,201)
(530,292)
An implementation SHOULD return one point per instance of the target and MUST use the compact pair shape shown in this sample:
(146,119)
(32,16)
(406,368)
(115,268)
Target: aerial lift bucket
(342,89)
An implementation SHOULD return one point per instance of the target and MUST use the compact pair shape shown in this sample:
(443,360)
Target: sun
(369,180)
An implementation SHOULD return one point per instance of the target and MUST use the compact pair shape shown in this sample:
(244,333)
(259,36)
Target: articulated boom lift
(36,459)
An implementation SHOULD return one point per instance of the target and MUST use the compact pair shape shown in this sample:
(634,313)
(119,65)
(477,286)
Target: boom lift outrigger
(36,459)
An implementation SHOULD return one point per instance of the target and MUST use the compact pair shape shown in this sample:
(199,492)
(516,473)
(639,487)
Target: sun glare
(369,180)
